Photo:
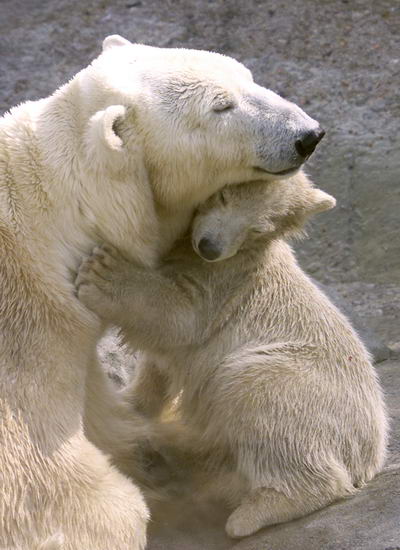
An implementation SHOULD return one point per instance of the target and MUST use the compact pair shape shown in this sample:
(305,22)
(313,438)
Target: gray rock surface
(338,59)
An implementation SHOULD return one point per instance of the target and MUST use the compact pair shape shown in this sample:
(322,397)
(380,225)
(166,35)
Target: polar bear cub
(271,376)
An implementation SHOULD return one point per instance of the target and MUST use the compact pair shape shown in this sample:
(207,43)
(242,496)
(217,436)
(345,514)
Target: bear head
(255,214)
(185,115)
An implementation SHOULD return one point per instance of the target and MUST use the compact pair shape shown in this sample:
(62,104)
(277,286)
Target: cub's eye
(223,107)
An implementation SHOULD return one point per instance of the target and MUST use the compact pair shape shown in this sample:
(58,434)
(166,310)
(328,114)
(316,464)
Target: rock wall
(338,59)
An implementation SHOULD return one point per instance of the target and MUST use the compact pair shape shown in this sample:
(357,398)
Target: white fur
(273,382)
(56,542)
(123,152)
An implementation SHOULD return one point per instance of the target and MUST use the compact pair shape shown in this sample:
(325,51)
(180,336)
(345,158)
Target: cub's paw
(99,280)
(240,524)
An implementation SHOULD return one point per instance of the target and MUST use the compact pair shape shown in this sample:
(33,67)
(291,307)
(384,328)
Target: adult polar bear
(122,153)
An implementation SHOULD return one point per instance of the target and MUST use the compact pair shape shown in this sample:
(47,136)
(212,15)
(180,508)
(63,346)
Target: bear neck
(87,209)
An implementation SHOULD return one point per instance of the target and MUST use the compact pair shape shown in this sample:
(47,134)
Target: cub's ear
(320,201)
(103,144)
(115,40)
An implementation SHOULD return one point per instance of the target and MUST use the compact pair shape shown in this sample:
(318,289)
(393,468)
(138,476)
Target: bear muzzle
(307,143)
(208,249)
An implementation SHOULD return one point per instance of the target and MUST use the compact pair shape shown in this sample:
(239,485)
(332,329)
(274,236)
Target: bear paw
(99,280)
(239,525)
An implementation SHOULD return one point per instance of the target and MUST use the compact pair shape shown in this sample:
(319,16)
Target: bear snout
(307,143)
(209,249)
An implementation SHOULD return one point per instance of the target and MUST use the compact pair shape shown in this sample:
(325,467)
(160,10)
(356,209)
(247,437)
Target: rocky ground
(338,59)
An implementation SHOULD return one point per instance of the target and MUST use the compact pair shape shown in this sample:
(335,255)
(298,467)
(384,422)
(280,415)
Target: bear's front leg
(103,279)
(154,310)
(147,393)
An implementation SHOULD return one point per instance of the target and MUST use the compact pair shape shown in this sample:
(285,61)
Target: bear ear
(103,143)
(115,40)
(102,126)
(320,201)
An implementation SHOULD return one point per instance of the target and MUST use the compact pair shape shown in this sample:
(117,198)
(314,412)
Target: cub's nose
(208,249)
(308,142)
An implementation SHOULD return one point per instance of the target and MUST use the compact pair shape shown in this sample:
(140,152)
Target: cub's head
(241,215)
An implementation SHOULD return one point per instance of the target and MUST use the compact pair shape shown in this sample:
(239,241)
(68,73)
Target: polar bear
(123,152)
(272,382)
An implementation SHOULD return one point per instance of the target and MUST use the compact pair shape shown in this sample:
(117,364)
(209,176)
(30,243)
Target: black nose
(208,249)
(308,142)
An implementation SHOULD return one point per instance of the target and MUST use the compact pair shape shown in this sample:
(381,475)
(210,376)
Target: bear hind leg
(265,506)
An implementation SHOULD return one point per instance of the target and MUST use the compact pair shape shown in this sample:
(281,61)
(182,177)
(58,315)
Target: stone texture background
(339,60)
